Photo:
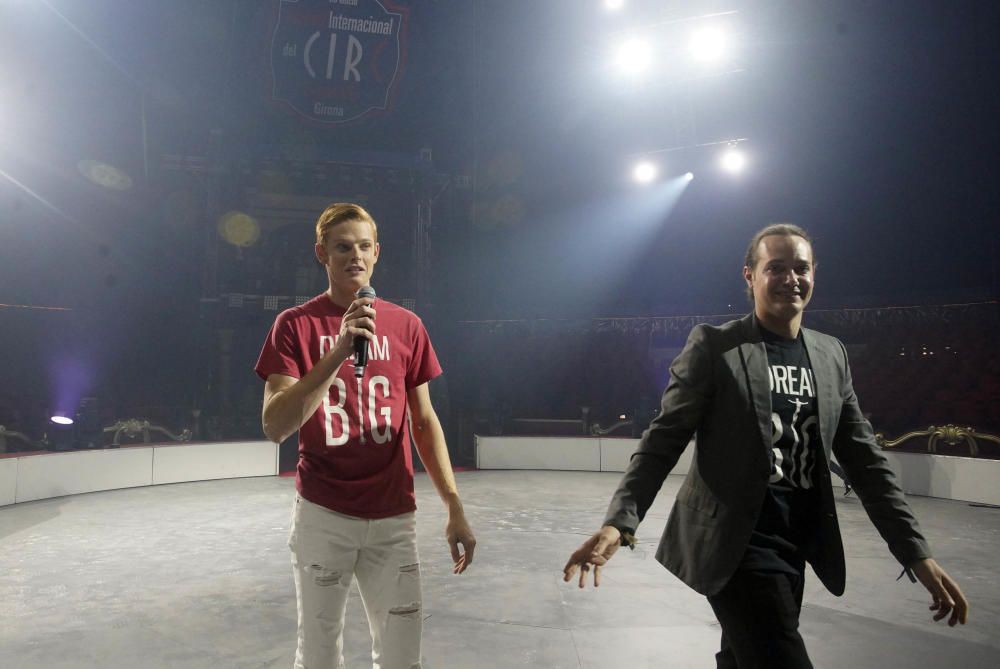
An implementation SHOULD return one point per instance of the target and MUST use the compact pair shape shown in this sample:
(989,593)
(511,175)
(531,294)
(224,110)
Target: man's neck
(342,300)
(782,328)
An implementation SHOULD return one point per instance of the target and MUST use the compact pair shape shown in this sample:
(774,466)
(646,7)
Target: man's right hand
(595,551)
(358,321)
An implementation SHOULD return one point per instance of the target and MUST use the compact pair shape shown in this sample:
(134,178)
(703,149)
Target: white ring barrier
(943,476)
(41,476)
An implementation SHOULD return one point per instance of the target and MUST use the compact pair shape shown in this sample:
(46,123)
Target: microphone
(361,343)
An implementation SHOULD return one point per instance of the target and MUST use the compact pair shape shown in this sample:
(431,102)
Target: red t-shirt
(354,452)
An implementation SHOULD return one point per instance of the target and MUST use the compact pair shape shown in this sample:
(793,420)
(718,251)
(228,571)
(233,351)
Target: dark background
(872,125)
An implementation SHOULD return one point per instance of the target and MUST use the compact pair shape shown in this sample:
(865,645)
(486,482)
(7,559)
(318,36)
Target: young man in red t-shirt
(354,511)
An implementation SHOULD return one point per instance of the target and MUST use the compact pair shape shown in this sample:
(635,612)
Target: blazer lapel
(826,395)
(754,357)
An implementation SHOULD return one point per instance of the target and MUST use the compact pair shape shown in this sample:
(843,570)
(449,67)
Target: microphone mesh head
(365,291)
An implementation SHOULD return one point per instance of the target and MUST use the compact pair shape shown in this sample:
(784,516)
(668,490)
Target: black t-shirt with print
(788,518)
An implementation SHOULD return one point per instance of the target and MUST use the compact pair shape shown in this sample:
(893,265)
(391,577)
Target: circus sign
(337,60)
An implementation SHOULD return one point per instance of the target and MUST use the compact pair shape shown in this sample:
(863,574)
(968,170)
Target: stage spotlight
(61,435)
(733,161)
(708,45)
(634,56)
(614,5)
(644,172)
(689,176)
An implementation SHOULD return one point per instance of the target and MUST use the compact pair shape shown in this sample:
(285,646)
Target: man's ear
(748,276)
(320,251)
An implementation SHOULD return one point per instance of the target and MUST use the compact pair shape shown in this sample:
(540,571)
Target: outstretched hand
(595,551)
(458,532)
(948,597)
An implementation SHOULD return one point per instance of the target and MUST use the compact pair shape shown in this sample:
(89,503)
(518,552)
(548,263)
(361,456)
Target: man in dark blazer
(768,400)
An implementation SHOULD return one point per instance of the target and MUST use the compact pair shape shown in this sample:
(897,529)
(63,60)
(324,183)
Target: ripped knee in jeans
(412,609)
(408,579)
(322,576)
(408,611)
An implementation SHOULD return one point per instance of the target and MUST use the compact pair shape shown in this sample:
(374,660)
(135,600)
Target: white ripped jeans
(328,550)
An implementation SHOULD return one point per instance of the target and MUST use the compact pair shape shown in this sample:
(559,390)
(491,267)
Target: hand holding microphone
(361,342)
(357,328)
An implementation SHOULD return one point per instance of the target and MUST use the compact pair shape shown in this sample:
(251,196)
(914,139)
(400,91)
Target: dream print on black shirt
(794,422)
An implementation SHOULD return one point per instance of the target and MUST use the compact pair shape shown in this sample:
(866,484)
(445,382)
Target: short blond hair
(341,212)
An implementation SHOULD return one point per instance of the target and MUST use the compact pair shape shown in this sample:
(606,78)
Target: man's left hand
(948,597)
(459,532)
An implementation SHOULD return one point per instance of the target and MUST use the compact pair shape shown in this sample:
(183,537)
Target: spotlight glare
(733,161)
(708,45)
(239,229)
(61,420)
(105,175)
(614,5)
(634,56)
(689,176)
(644,172)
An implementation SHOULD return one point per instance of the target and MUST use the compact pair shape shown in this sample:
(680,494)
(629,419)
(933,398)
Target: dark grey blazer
(719,390)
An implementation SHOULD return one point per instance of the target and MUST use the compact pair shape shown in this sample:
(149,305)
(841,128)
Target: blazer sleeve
(874,480)
(684,402)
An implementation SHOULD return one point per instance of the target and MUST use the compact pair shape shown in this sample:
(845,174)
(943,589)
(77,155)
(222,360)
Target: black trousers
(759,614)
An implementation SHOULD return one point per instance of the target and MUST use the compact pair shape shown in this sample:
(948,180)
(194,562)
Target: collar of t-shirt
(776,339)
(328,306)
